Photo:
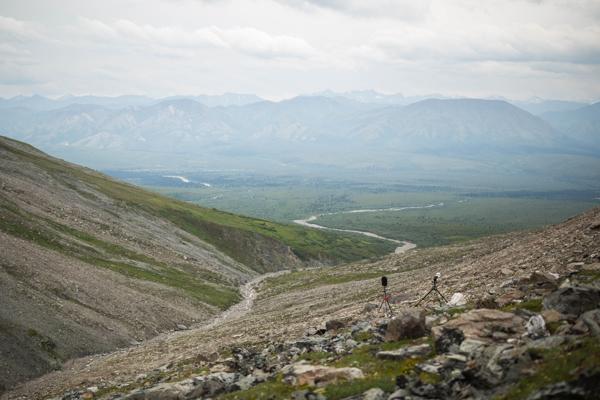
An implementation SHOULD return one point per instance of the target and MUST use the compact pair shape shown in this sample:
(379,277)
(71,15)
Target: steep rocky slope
(88,264)
(329,318)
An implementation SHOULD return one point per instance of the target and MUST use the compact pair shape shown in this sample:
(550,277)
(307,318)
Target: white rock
(536,327)
(405,352)
(457,299)
(373,394)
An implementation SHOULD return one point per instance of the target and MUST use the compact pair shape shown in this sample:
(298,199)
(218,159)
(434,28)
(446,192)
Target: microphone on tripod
(434,290)
(385,301)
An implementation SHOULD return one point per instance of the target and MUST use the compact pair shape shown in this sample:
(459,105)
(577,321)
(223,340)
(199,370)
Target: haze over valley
(459,142)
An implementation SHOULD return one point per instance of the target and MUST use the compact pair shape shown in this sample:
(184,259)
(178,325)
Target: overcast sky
(280,48)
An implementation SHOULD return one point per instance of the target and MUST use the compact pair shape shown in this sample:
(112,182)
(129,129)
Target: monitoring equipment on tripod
(434,290)
(385,301)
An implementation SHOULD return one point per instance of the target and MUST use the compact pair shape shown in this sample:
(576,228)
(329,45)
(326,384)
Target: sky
(516,49)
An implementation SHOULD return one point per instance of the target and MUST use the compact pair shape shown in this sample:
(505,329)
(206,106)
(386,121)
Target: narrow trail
(404,245)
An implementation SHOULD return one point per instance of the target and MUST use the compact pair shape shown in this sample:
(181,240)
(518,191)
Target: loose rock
(374,394)
(334,325)
(317,375)
(457,299)
(449,340)
(536,327)
(408,324)
(405,352)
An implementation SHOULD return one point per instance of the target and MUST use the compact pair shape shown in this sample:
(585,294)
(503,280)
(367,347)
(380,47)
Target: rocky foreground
(538,341)
(523,323)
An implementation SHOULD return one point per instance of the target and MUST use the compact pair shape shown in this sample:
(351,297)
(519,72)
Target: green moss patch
(273,389)
(534,305)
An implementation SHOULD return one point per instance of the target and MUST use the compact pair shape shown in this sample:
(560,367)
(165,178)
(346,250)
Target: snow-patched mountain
(181,123)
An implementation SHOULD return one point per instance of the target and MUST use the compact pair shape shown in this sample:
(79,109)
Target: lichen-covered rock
(449,340)
(317,375)
(208,385)
(573,300)
(482,323)
(405,352)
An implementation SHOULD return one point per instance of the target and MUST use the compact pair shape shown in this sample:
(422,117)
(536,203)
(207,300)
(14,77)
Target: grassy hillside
(235,235)
(206,287)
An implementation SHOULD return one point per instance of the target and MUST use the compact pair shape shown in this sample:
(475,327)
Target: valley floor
(290,304)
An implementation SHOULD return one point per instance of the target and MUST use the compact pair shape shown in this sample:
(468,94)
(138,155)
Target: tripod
(385,303)
(435,290)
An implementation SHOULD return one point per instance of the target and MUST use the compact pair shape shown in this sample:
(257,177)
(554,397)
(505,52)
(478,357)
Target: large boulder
(543,279)
(408,324)
(334,325)
(317,375)
(573,300)
(484,324)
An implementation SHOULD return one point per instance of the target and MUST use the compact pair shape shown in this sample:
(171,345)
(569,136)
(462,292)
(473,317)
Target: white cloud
(399,9)
(14,29)
(246,40)
(281,47)
(255,42)
(483,42)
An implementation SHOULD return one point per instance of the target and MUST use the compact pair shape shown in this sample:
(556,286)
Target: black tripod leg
(441,295)
(424,297)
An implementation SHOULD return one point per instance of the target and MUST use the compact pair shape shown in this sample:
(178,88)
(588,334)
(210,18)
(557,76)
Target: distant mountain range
(328,134)
(41,103)
(582,123)
(535,106)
